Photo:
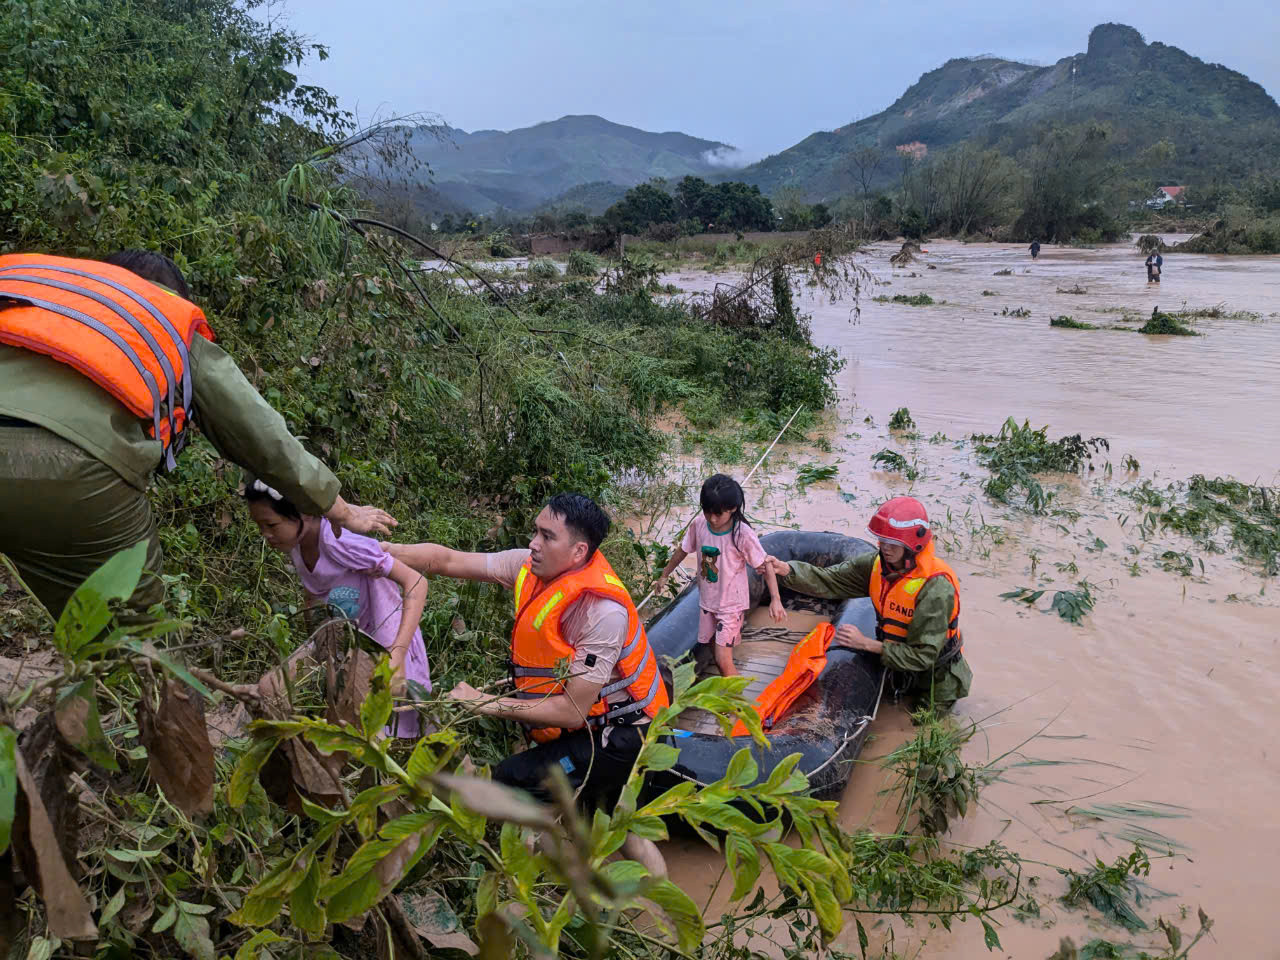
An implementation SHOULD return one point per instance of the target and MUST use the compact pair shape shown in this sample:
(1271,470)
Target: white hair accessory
(271,492)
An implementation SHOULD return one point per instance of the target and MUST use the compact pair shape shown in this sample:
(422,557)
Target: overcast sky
(759,74)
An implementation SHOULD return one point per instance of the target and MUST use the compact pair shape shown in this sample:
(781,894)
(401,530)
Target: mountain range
(1209,121)
(533,166)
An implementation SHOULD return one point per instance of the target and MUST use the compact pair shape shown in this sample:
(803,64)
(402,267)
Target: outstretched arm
(431,559)
(567,710)
(677,558)
(849,578)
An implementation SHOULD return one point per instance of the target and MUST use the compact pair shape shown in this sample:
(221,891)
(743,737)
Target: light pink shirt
(723,559)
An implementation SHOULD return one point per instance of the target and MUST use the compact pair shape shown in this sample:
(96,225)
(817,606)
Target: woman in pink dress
(352,576)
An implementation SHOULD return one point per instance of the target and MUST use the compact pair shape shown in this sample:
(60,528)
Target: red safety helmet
(902,520)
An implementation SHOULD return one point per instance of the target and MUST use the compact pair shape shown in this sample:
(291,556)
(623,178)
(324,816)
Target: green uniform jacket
(243,427)
(915,657)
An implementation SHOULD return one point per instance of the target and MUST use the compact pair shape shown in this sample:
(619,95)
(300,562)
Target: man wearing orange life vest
(916,598)
(103,365)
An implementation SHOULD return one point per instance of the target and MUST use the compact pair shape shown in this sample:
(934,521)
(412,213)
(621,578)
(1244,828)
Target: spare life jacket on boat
(541,655)
(803,667)
(895,601)
(126,334)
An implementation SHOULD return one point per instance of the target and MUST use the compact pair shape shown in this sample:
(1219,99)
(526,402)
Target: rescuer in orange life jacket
(916,599)
(103,367)
(587,682)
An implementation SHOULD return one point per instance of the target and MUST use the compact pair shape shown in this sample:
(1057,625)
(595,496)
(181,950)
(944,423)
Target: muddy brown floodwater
(1155,718)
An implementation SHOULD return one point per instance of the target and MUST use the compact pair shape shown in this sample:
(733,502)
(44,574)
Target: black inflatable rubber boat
(828,723)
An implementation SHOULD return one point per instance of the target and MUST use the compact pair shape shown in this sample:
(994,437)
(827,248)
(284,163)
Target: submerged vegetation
(1166,324)
(1018,453)
(1071,324)
(913,300)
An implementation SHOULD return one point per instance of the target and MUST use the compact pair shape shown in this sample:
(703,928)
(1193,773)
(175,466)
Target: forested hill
(1204,121)
(522,169)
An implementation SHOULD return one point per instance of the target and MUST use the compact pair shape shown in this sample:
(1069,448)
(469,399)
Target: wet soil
(1150,720)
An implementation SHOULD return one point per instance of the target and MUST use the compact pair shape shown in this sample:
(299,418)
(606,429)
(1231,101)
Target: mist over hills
(1210,123)
(532,166)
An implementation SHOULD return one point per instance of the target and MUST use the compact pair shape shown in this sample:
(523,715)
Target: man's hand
(777,611)
(467,695)
(847,635)
(358,519)
(780,567)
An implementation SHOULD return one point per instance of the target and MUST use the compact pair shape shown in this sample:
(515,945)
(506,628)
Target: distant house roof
(1171,191)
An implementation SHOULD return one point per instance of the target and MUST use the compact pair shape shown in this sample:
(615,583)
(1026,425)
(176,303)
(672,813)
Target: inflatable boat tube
(828,724)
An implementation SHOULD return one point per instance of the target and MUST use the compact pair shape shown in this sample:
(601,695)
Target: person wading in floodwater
(570,608)
(103,367)
(916,598)
(1154,263)
(1035,249)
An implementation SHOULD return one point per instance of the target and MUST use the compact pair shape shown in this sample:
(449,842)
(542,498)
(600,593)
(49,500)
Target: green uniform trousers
(64,513)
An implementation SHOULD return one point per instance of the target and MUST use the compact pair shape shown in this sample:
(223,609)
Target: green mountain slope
(1220,123)
(523,169)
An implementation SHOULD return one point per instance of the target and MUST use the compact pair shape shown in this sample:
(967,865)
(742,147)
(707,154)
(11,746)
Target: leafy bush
(1071,324)
(1017,453)
(1166,325)
(900,419)
(582,264)
(542,270)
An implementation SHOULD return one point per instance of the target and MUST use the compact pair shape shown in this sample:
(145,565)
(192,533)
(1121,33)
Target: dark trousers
(63,514)
(583,758)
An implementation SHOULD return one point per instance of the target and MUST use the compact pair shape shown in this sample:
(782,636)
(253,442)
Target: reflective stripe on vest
(109,306)
(539,649)
(897,598)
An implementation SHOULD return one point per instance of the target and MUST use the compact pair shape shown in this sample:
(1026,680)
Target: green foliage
(582,264)
(542,270)
(1166,325)
(915,300)
(1071,324)
(1250,514)
(814,473)
(934,782)
(1018,453)
(887,459)
(1109,889)
(900,419)
(1071,605)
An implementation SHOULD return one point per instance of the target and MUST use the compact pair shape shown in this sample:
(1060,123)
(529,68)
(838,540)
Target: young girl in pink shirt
(352,576)
(725,547)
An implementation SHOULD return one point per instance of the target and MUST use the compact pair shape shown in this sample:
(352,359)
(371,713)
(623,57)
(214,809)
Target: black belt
(15,422)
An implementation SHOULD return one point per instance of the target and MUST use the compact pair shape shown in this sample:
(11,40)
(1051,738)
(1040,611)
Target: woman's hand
(847,635)
(358,519)
(780,567)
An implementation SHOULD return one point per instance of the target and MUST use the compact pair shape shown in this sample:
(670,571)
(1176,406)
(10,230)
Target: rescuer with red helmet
(916,598)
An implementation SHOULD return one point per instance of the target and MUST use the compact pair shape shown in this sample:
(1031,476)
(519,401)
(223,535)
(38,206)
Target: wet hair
(720,493)
(152,266)
(583,517)
(257,491)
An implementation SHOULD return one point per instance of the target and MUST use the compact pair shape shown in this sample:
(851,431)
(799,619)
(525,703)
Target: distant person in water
(1154,263)
(1035,249)
(726,548)
(916,598)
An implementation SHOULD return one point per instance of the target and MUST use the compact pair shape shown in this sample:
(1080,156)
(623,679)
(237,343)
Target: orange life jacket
(538,644)
(895,601)
(126,334)
(804,665)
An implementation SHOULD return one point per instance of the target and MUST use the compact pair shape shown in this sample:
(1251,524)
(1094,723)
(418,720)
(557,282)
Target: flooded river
(1152,719)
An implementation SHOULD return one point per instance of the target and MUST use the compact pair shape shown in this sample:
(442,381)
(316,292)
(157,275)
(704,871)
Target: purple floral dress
(351,575)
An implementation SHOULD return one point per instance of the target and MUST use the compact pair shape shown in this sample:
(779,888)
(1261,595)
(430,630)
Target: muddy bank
(1150,720)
